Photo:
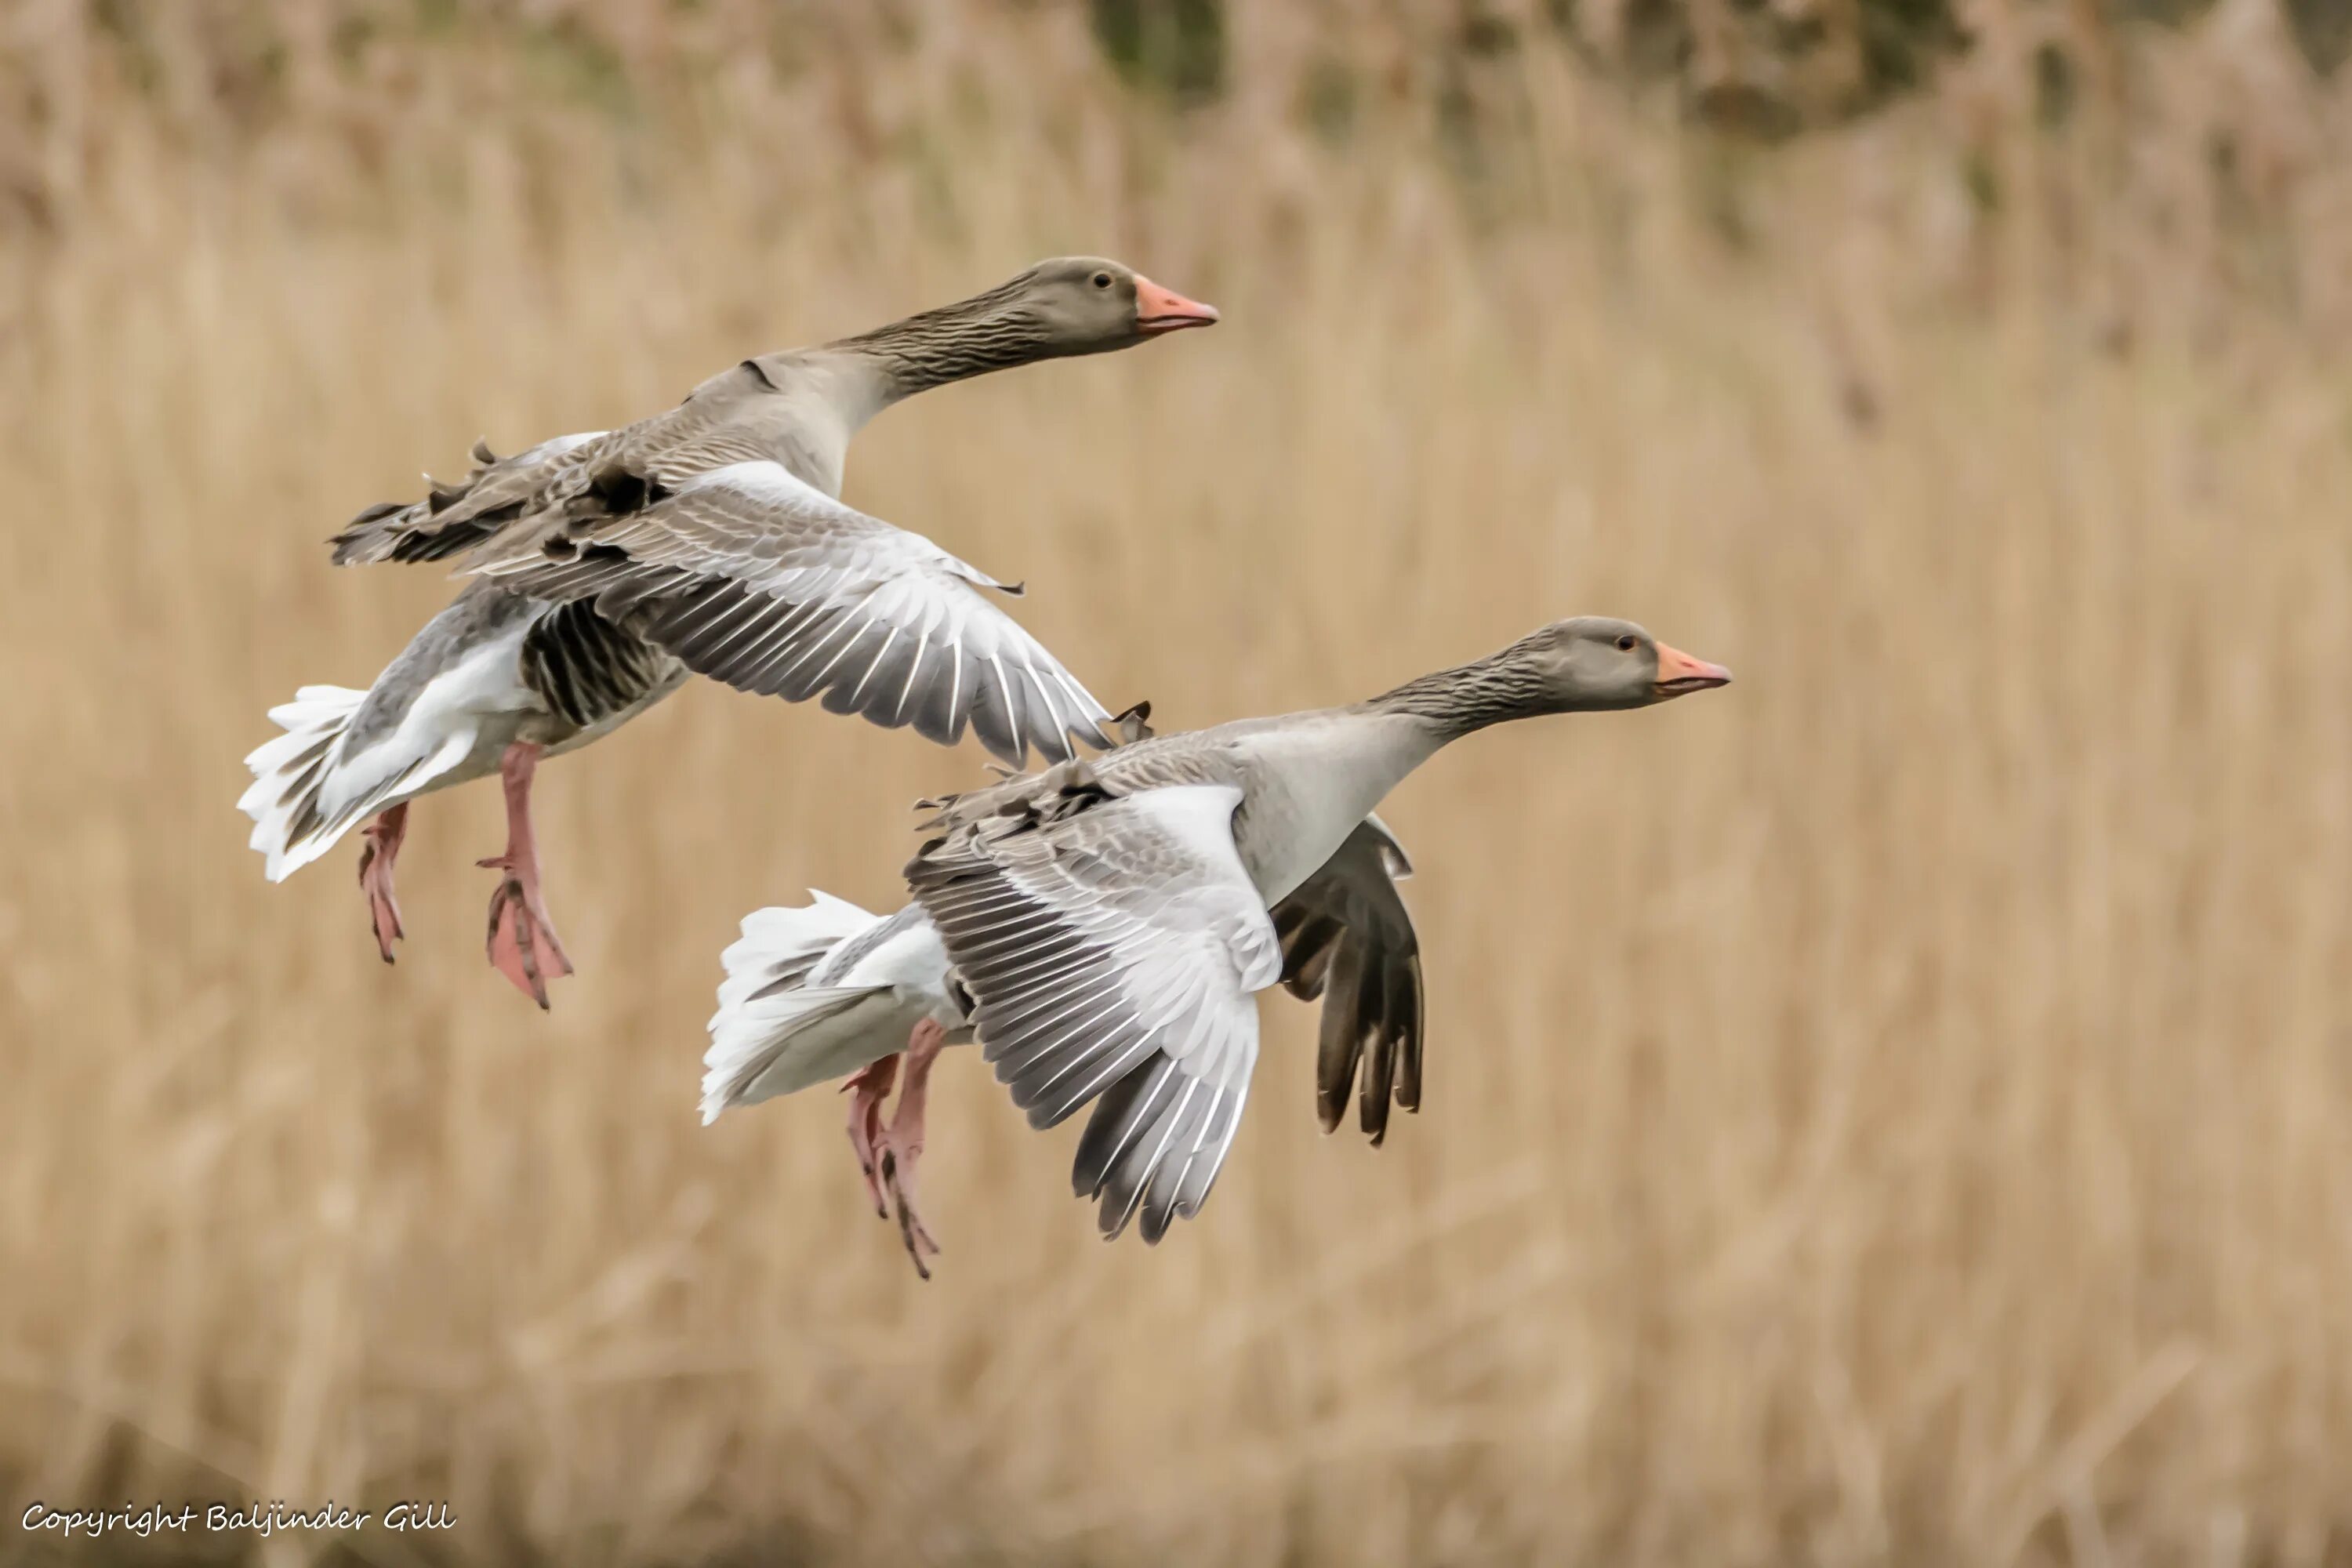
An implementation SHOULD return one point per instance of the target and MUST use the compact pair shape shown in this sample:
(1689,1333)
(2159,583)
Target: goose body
(783,1023)
(819,992)
(1112,921)
(1104,925)
(474,683)
(610,565)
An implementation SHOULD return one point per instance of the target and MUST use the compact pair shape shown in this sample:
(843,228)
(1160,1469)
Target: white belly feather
(463,719)
(1309,785)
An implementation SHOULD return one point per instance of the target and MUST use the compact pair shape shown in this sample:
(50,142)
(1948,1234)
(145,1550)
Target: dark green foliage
(1898,43)
(2324,29)
(1485,36)
(1174,46)
(2053,85)
(1327,99)
(1657,37)
(1902,40)
(2171,13)
(1747,112)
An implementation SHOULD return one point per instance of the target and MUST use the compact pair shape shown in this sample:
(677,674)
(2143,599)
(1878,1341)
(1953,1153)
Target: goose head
(1582,665)
(1591,662)
(1087,304)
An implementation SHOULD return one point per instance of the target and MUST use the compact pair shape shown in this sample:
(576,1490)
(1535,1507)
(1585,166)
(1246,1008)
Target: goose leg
(522,942)
(902,1144)
(867,1088)
(376,856)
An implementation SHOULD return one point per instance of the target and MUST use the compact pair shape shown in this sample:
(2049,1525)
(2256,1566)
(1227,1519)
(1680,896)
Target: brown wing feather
(734,418)
(453,519)
(1347,938)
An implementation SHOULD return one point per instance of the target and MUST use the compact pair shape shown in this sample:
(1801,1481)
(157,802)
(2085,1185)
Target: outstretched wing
(454,518)
(1347,938)
(727,419)
(751,575)
(1112,955)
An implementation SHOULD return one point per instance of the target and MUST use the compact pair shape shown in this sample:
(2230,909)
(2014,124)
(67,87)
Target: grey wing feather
(1048,1005)
(753,578)
(1154,1145)
(1110,945)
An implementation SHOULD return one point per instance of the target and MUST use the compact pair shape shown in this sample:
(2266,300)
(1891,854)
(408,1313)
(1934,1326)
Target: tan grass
(1894,1110)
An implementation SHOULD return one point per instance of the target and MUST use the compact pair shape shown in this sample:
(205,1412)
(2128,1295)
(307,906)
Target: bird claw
(522,944)
(899,1177)
(379,847)
(887,1155)
(384,908)
(868,1087)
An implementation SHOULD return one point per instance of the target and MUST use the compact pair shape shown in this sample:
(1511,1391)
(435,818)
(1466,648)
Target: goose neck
(1468,697)
(987,332)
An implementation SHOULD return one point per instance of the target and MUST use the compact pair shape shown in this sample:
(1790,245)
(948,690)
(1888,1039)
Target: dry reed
(1894,1110)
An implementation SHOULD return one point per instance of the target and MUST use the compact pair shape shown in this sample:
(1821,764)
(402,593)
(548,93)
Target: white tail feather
(286,772)
(293,823)
(765,1002)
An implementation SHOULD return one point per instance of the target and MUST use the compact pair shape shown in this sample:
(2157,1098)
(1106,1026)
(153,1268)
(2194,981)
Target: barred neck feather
(971,337)
(1470,697)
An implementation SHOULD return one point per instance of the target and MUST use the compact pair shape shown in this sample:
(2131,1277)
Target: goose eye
(1102,279)
(1625,642)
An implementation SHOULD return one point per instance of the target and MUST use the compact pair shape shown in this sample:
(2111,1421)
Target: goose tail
(291,826)
(766,1006)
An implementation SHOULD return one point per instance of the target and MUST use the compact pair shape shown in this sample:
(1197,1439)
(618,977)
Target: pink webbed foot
(867,1088)
(376,857)
(901,1146)
(522,942)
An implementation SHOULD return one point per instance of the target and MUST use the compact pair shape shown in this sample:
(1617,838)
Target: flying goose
(1102,927)
(610,565)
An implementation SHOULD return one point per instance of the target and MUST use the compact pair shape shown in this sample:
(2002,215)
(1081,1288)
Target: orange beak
(1159,309)
(1678,672)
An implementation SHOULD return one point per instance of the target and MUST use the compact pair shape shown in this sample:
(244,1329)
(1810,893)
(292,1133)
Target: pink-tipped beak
(1678,672)
(1159,309)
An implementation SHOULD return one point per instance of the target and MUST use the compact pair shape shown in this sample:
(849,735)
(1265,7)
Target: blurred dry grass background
(1892,1111)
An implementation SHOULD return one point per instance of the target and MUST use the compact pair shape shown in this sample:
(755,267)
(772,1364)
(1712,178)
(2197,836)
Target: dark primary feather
(1054,1020)
(1155,1142)
(1347,938)
(587,668)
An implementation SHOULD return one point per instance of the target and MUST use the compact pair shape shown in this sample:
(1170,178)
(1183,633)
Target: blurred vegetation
(1764,69)
(1898,1115)
(2093,119)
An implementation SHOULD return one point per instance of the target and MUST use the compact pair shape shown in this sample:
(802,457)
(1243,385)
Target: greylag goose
(1102,928)
(708,540)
